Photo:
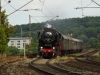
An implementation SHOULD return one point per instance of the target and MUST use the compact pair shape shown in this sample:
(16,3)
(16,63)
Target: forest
(86,29)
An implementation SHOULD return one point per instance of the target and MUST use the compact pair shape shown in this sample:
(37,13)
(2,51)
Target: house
(19,42)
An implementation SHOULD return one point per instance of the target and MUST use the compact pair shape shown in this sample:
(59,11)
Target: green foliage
(3,41)
(22,51)
(5,30)
(97,58)
(9,29)
(33,47)
(11,50)
(82,28)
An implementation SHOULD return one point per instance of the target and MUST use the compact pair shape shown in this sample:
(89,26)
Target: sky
(48,10)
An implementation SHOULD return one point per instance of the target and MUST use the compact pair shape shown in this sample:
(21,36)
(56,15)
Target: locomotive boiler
(52,43)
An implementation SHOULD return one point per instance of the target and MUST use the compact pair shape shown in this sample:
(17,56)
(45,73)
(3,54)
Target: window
(24,44)
(18,46)
(18,41)
(24,40)
(12,43)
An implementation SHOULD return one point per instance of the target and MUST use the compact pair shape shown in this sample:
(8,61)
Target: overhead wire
(35,19)
(42,3)
(20,7)
(89,4)
(4,5)
(10,4)
(49,10)
(44,14)
(95,2)
(84,7)
(46,8)
(42,8)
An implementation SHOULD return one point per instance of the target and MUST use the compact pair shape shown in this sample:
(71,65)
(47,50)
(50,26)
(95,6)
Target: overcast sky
(50,9)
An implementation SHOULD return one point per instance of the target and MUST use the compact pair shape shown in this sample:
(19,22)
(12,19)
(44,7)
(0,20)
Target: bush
(11,50)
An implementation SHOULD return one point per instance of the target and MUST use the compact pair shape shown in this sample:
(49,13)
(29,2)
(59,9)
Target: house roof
(19,38)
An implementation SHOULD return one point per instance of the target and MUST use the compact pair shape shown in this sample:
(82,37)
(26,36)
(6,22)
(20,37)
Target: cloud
(63,8)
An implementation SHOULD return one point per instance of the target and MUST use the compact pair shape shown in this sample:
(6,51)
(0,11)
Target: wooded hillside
(86,29)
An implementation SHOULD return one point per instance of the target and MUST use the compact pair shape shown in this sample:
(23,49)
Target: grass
(97,58)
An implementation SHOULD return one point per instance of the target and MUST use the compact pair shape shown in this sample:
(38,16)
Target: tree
(92,42)
(9,29)
(83,37)
(12,50)
(5,30)
(34,47)
(3,40)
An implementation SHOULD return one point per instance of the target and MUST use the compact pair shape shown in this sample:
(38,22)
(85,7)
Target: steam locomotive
(52,43)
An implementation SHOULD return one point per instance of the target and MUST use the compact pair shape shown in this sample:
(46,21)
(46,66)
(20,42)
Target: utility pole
(30,28)
(30,32)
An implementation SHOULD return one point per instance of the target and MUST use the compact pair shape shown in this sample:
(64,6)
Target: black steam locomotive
(52,43)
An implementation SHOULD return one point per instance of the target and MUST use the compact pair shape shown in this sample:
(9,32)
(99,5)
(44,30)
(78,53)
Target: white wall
(19,42)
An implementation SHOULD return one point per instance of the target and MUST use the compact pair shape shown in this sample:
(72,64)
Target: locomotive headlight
(50,33)
(53,47)
(41,48)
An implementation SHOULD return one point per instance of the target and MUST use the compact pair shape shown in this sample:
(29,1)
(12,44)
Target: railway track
(48,68)
(83,64)
(15,65)
(86,58)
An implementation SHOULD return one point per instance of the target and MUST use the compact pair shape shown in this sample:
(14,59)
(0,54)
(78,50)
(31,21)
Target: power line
(42,8)
(20,7)
(9,4)
(35,19)
(42,3)
(44,14)
(4,5)
(49,10)
(46,7)
(95,2)
(88,5)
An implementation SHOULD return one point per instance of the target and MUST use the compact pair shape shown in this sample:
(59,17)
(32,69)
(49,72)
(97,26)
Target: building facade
(19,42)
